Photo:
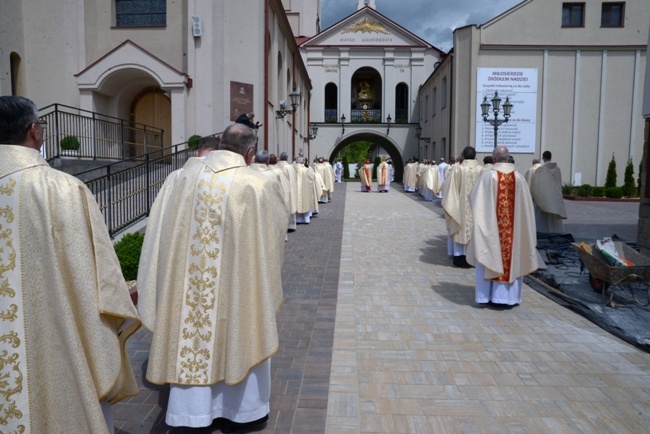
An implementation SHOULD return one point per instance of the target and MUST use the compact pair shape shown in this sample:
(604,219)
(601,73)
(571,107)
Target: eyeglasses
(41,122)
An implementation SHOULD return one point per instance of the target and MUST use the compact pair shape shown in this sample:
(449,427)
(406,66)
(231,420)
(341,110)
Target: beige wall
(590,82)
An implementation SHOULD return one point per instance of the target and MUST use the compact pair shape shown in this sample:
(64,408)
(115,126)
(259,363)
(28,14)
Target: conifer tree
(346,168)
(629,189)
(610,180)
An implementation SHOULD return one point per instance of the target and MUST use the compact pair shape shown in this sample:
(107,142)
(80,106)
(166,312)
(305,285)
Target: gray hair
(16,115)
(238,138)
(300,160)
(210,143)
(262,157)
(284,156)
(501,154)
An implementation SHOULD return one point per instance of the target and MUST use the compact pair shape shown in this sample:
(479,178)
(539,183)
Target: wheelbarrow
(603,275)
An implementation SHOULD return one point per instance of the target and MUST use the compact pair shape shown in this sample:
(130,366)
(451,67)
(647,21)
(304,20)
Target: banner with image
(520,85)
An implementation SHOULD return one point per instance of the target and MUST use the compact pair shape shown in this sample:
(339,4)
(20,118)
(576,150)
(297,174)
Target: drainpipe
(451,103)
(266,75)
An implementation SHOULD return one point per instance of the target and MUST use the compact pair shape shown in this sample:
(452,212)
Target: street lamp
(343,123)
(496,103)
(295,101)
(388,121)
(418,134)
(313,131)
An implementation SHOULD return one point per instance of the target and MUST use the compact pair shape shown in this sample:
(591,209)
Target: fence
(100,136)
(125,190)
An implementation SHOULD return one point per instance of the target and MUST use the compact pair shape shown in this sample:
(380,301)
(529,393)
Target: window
(443,93)
(401,103)
(331,102)
(433,103)
(140,13)
(573,14)
(612,15)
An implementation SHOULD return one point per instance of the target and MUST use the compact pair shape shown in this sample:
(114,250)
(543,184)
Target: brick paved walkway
(380,334)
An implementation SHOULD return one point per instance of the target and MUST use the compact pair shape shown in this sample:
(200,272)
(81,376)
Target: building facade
(366,71)
(189,67)
(574,73)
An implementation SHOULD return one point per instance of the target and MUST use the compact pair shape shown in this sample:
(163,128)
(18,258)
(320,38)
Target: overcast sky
(431,20)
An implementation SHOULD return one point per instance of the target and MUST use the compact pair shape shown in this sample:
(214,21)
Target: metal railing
(371,116)
(125,190)
(100,136)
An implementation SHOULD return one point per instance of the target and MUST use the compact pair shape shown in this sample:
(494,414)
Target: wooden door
(151,108)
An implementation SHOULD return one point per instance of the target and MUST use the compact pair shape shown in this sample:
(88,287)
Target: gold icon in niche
(365,91)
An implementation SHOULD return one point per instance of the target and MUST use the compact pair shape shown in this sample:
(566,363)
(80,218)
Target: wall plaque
(241,99)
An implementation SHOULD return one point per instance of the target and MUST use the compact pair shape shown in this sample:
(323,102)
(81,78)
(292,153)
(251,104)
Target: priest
(546,190)
(210,286)
(502,247)
(66,309)
(290,173)
(365,173)
(383,176)
(455,202)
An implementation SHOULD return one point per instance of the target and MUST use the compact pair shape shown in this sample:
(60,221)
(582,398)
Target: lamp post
(388,121)
(496,103)
(343,123)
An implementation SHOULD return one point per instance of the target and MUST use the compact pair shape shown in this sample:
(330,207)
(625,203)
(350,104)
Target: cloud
(432,20)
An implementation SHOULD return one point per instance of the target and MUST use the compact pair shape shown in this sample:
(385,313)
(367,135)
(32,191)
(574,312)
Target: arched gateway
(384,142)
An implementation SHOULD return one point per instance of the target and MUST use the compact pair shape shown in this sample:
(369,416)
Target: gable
(366,27)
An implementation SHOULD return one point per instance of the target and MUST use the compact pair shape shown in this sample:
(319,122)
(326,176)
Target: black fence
(372,116)
(99,136)
(125,190)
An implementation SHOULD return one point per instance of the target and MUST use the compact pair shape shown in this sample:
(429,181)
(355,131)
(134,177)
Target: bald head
(238,138)
(501,154)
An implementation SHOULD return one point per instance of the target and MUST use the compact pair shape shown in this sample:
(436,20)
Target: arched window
(331,103)
(16,74)
(401,103)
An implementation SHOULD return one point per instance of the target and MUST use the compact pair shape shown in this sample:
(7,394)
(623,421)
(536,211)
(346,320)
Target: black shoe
(228,426)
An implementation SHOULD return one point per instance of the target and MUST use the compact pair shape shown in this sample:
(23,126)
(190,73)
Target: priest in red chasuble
(365,173)
(502,247)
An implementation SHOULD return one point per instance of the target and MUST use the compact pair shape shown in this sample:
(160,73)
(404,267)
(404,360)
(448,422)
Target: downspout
(451,103)
(266,74)
(308,126)
(293,115)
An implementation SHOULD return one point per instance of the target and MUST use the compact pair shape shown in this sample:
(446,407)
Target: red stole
(505,221)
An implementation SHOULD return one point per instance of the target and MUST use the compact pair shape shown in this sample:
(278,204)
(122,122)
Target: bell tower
(364,3)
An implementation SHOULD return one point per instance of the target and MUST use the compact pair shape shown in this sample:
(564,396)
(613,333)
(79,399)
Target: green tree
(346,167)
(629,188)
(610,180)
(374,167)
(356,151)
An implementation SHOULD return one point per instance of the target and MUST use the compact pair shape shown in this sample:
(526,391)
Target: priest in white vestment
(260,165)
(210,286)
(409,178)
(546,190)
(307,202)
(455,202)
(291,175)
(383,176)
(502,247)
(338,170)
(365,174)
(66,309)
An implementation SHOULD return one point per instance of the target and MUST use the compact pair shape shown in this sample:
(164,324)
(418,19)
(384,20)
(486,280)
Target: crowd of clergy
(474,196)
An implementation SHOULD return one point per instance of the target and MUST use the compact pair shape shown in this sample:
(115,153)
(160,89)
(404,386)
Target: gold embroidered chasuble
(383,174)
(290,171)
(305,189)
(209,280)
(410,179)
(366,175)
(529,175)
(546,189)
(432,178)
(327,175)
(491,192)
(64,301)
(455,199)
(320,189)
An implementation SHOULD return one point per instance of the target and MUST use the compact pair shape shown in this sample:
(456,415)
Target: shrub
(610,180)
(346,168)
(128,251)
(567,189)
(70,143)
(598,191)
(193,141)
(629,188)
(614,192)
(584,190)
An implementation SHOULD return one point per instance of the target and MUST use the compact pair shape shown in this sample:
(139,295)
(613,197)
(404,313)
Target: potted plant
(70,145)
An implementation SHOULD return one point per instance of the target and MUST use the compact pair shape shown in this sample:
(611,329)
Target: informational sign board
(241,99)
(520,86)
